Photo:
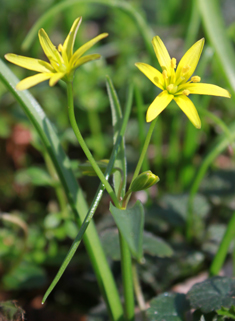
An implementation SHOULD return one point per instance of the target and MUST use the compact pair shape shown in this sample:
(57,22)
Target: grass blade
(214,26)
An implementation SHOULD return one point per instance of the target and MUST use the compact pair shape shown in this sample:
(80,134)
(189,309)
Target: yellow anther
(173,63)
(185,69)
(60,48)
(170,87)
(186,92)
(164,73)
(196,79)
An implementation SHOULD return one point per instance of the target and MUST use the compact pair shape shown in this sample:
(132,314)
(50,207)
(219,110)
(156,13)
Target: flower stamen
(185,69)
(173,63)
(196,79)
(164,73)
(186,92)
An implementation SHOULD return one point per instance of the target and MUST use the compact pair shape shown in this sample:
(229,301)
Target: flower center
(172,89)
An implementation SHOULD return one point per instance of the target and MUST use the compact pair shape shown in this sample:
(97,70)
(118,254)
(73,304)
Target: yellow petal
(153,74)
(55,78)
(69,41)
(85,59)
(33,80)
(86,46)
(190,59)
(189,109)
(162,54)
(29,63)
(206,89)
(50,50)
(157,106)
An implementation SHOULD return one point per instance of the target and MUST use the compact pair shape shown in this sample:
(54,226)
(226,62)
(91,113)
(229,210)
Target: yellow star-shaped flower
(63,61)
(174,82)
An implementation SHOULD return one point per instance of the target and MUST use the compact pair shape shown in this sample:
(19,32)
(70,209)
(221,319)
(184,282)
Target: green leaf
(214,26)
(9,311)
(174,208)
(25,276)
(168,307)
(130,223)
(229,313)
(120,161)
(34,175)
(156,246)
(111,245)
(213,294)
(152,245)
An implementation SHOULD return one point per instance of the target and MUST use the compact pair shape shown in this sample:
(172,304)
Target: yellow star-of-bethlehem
(176,83)
(63,61)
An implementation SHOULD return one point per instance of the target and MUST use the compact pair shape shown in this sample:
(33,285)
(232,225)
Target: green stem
(127,279)
(84,146)
(125,252)
(223,248)
(142,156)
(137,287)
(141,123)
(144,150)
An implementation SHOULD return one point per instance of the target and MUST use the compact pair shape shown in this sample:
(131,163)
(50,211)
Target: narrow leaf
(214,26)
(120,162)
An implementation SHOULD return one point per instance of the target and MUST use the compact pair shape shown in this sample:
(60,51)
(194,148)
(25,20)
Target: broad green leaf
(9,311)
(168,307)
(212,294)
(130,223)
(152,245)
(156,246)
(174,208)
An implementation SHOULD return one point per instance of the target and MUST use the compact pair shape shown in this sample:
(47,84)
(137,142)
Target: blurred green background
(35,229)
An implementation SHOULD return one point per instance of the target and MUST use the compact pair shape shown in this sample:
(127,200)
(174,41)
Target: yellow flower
(175,83)
(63,61)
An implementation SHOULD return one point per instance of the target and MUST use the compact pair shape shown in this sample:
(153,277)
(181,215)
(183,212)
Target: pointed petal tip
(18,87)
(104,35)
(156,37)
(6,56)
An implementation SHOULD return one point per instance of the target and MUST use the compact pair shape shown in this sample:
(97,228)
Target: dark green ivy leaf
(168,307)
(213,294)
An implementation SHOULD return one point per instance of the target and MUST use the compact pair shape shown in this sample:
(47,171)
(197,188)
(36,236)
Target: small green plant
(212,299)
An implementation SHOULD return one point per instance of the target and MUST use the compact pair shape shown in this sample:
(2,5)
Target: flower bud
(88,170)
(144,181)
